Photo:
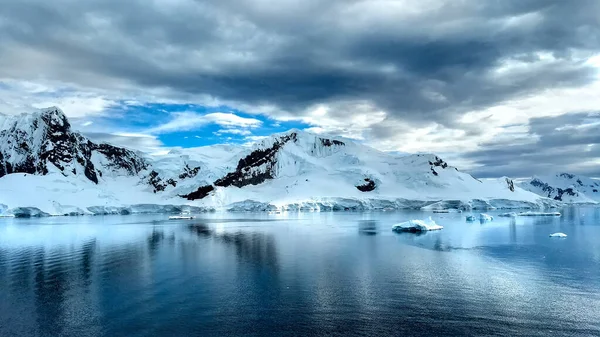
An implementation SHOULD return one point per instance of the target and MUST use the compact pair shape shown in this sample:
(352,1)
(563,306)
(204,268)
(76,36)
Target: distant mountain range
(47,168)
(565,187)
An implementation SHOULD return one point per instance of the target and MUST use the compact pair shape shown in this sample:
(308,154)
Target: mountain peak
(54,117)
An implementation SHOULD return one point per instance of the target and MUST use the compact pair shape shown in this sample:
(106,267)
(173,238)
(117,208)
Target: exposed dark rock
(368,186)
(438,163)
(257,167)
(434,172)
(595,190)
(511,185)
(156,181)
(189,172)
(560,192)
(331,142)
(200,193)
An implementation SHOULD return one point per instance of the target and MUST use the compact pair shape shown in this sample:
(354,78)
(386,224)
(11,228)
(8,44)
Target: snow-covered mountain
(46,165)
(42,142)
(565,187)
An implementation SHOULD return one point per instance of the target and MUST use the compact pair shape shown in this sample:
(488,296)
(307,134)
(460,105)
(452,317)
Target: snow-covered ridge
(67,173)
(565,187)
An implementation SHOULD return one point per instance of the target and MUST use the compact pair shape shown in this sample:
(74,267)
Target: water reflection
(368,227)
(256,248)
(322,276)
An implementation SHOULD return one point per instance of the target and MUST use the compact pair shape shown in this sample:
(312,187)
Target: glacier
(46,168)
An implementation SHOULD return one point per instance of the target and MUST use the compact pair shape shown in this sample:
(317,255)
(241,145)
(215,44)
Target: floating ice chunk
(451,210)
(416,226)
(471,218)
(485,217)
(530,213)
(558,235)
(181,217)
(508,215)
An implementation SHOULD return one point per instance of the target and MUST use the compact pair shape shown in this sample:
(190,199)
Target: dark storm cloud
(429,61)
(289,53)
(567,141)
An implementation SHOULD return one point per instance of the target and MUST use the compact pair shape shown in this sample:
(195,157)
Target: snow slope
(565,187)
(43,164)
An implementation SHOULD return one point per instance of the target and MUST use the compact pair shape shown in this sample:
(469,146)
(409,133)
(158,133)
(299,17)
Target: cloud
(411,76)
(142,142)
(569,142)
(232,132)
(24,96)
(186,121)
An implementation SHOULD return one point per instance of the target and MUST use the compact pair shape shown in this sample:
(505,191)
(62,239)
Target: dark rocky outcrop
(189,172)
(438,162)
(511,184)
(560,192)
(257,167)
(200,193)
(331,142)
(567,175)
(368,186)
(158,183)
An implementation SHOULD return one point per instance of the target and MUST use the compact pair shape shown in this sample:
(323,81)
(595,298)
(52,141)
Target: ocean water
(291,274)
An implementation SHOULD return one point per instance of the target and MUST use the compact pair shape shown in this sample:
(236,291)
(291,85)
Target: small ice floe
(530,213)
(415,226)
(509,215)
(558,235)
(471,218)
(450,210)
(181,217)
(485,217)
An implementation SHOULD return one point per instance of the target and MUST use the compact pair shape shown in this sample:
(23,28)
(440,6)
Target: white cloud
(251,140)
(187,120)
(136,141)
(240,132)
(350,119)
(25,96)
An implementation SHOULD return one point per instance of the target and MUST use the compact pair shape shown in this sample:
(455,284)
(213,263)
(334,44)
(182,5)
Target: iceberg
(471,218)
(485,217)
(415,226)
(558,235)
(452,210)
(530,213)
(181,217)
(508,215)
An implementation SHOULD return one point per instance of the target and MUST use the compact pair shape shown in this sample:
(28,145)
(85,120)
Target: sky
(497,88)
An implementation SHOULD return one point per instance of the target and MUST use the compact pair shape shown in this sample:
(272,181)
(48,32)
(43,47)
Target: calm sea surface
(335,274)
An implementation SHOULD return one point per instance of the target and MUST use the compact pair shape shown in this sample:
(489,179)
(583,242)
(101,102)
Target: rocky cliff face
(43,141)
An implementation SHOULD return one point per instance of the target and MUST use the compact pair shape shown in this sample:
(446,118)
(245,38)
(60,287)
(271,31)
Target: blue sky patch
(207,125)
